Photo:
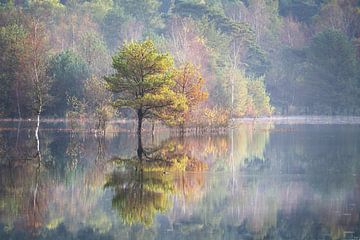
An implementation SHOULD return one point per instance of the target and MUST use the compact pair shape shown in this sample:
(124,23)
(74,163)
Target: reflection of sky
(262,179)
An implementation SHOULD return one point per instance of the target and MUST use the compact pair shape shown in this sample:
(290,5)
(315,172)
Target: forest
(206,61)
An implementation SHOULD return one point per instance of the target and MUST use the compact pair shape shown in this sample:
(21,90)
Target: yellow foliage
(212,117)
(190,84)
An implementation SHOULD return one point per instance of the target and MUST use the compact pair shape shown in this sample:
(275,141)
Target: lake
(259,180)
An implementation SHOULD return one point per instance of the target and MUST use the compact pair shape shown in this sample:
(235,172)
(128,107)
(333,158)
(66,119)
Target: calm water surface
(257,181)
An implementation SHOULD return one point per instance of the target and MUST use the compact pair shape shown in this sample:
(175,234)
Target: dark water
(258,181)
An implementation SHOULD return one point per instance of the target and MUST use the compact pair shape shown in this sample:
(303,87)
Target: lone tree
(143,81)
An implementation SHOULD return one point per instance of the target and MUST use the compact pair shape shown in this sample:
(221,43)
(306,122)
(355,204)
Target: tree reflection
(144,184)
(38,179)
(140,195)
(21,187)
(317,197)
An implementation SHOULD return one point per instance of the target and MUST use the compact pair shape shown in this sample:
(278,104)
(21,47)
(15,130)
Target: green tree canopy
(143,81)
(332,68)
(69,72)
(11,38)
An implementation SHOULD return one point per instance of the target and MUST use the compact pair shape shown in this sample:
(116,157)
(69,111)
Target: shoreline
(128,126)
(301,119)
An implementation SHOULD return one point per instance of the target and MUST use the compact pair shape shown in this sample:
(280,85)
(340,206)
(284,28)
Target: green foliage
(332,72)
(256,62)
(68,70)
(46,10)
(98,102)
(250,95)
(304,70)
(98,8)
(260,98)
(145,11)
(112,25)
(301,10)
(11,38)
(143,81)
(94,52)
(96,105)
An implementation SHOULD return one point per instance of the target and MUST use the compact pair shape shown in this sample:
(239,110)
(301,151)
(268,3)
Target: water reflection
(144,184)
(259,181)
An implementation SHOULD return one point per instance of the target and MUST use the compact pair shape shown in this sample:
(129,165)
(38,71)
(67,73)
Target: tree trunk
(18,101)
(37,132)
(182,130)
(38,155)
(140,149)
(140,120)
(153,129)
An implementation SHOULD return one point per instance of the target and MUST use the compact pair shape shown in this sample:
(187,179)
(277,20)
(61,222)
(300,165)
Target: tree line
(213,59)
